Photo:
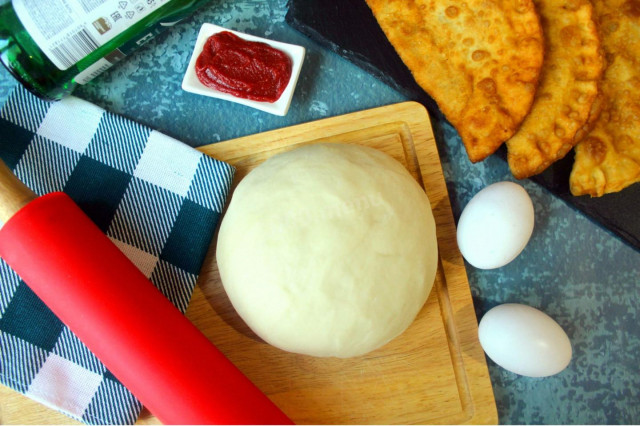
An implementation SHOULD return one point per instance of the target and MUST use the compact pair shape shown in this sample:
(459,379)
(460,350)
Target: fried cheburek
(608,159)
(479,60)
(568,88)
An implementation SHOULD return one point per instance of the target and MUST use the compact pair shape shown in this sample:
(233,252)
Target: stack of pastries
(541,76)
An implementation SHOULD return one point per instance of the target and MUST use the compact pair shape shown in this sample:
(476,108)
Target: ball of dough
(328,250)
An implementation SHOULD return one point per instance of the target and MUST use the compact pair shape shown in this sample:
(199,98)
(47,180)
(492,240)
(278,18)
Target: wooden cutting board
(434,373)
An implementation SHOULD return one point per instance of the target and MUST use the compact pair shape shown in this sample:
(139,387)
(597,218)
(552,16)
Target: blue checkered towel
(157,199)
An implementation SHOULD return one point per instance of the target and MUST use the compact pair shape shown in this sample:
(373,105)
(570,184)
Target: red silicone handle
(136,332)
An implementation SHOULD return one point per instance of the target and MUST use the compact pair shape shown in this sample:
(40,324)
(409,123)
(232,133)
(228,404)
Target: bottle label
(69,30)
(99,67)
(121,52)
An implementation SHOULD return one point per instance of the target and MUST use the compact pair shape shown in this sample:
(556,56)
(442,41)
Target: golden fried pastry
(568,88)
(479,60)
(608,159)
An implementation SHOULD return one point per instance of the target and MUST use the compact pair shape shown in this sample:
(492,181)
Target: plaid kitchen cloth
(157,199)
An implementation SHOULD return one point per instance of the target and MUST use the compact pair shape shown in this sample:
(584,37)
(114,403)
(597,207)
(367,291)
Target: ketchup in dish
(245,69)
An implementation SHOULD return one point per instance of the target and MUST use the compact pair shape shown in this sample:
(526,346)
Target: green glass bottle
(51,46)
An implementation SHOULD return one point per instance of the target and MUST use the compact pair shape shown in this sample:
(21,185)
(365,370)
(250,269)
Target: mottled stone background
(572,269)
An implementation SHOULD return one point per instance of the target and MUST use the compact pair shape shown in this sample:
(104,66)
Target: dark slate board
(348,28)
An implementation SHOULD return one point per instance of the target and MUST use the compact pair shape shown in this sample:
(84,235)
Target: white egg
(524,340)
(495,225)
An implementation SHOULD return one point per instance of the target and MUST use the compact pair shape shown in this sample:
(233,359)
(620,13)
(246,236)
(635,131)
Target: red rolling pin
(163,359)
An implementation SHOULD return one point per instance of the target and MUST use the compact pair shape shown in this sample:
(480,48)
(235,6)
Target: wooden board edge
(462,321)
(239,146)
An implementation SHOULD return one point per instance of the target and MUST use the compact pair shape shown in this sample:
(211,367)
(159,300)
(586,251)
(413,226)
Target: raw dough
(328,250)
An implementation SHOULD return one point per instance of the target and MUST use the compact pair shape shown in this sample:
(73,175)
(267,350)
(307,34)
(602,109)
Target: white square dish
(191,83)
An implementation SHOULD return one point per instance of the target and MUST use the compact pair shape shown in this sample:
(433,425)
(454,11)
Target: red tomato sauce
(245,69)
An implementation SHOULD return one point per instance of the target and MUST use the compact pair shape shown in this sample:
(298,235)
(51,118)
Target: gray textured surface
(572,269)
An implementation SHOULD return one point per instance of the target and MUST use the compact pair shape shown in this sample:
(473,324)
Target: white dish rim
(190,82)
